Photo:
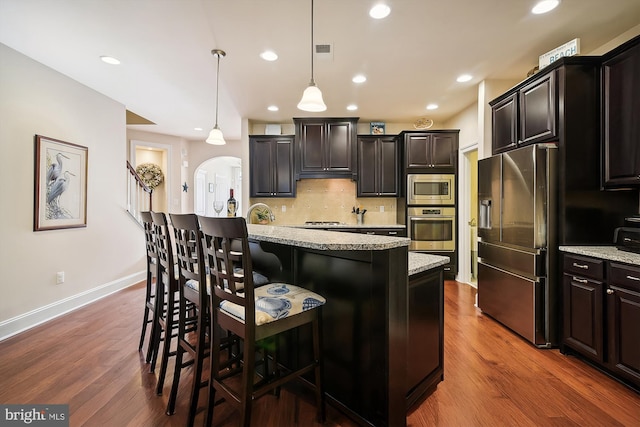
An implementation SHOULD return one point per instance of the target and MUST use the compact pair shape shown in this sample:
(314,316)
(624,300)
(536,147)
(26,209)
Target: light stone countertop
(419,262)
(338,241)
(323,240)
(610,253)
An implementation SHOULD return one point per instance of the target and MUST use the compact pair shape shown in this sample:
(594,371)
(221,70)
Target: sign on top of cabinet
(325,147)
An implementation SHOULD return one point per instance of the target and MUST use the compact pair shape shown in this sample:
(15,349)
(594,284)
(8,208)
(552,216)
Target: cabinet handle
(585,267)
(633,278)
(575,279)
(610,291)
(393,233)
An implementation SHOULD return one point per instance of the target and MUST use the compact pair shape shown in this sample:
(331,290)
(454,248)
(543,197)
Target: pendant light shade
(215,136)
(312,97)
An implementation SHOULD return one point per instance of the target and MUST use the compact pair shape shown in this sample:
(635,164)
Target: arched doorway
(213,179)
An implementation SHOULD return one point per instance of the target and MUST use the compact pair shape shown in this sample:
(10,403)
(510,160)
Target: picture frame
(377,128)
(60,194)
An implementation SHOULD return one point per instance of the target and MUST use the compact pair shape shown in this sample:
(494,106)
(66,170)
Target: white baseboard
(15,325)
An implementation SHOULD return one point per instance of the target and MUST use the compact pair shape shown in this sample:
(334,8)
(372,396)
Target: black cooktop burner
(322,223)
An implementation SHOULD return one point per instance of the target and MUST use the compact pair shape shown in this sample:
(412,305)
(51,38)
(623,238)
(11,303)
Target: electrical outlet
(59,277)
(381,208)
(284,208)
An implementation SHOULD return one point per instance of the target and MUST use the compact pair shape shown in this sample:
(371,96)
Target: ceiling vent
(324,51)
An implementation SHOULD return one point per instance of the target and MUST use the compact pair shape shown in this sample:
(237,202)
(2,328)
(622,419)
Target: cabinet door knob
(610,291)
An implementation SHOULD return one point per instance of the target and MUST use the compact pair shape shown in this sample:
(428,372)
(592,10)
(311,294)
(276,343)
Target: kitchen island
(382,323)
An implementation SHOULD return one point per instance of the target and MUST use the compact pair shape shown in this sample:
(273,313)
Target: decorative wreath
(150,174)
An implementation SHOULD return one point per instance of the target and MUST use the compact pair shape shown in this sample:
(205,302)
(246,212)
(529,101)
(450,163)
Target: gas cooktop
(322,223)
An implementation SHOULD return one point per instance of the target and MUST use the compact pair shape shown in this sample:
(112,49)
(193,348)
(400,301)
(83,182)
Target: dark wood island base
(382,323)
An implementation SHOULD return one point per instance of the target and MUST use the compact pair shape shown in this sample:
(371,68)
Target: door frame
(464,214)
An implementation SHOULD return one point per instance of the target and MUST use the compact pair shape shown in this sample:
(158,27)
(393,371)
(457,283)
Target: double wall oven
(431,212)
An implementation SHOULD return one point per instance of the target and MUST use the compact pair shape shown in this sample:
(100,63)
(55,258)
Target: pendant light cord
(313,83)
(217,87)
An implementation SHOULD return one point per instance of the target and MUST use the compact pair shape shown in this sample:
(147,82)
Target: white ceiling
(411,58)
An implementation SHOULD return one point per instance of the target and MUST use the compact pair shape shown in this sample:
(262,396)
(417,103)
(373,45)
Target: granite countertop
(419,262)
(610,253)
(322,239)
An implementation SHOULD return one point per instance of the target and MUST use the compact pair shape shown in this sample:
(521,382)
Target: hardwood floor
(89,360)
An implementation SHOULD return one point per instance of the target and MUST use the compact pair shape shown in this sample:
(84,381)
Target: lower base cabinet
(602,315)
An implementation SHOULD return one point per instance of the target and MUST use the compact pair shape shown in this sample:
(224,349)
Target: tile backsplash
(330,200)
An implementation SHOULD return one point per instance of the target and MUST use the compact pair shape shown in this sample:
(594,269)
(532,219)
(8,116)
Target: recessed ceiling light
(432,106)
(197,129)
(269,55)
(464,78)
(352,107)
(110,60)
(360,78)
(545,6)
(379,11)
(272,108)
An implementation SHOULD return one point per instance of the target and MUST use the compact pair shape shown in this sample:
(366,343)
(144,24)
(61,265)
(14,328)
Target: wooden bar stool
(254,315)
(192,291)
(168,309)
(152,274)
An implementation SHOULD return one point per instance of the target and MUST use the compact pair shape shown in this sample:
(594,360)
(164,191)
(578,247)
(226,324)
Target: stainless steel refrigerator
(517,242)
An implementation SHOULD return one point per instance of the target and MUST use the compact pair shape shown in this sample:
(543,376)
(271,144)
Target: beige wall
(101,258)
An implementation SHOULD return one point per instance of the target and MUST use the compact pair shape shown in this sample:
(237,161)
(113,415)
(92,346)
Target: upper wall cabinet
(377,166)
(621,115)
(526,115)
(271,166)
(505,124)
(430,152)
(538,110)
(325,147)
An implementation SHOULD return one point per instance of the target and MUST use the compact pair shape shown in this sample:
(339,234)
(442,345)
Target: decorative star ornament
(185,187)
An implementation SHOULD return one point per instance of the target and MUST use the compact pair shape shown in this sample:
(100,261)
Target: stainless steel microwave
(431,189)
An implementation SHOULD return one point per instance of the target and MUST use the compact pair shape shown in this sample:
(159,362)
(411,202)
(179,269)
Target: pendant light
(312,97)
(215,136)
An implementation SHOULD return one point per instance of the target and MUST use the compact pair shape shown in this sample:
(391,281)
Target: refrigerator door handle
(485,214)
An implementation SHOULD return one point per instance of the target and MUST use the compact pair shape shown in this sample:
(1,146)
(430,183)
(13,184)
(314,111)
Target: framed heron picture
(60,185)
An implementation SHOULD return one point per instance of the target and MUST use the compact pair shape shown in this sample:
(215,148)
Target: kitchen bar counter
(610,253)
(383,321)
(323,240)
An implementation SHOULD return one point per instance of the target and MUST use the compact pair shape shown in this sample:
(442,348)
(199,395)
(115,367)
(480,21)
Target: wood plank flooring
(89,360)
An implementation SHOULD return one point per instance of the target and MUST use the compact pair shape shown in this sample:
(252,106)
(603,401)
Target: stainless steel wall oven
(432,228)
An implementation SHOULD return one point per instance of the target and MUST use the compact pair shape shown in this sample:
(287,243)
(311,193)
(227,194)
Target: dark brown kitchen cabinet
(537,110)
(505,124)
(623,303)
(559,104)
(621,112)
(430,151)
(271,166)
(325,147)
(583,305)
(377,166)
(602,313)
